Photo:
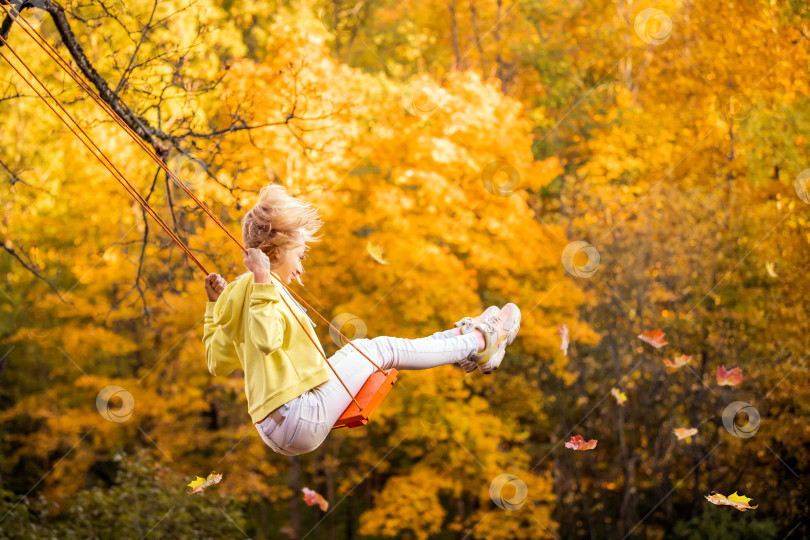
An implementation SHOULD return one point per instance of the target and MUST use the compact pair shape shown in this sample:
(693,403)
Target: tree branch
(34,271)
(137,48)
(139,125)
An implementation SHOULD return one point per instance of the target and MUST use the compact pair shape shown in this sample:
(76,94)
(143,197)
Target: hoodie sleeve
(265,325)
(220,351)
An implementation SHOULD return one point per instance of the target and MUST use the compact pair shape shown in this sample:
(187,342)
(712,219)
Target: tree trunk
(454,27)
(477,37)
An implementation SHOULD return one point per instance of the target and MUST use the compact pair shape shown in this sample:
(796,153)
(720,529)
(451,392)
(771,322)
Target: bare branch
(12,176)
(15,179)
(129,67)
(34,271)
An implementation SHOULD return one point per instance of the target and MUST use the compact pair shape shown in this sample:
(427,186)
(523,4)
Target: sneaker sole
(467,365)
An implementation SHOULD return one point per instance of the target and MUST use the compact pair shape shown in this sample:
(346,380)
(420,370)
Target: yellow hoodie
(249,327)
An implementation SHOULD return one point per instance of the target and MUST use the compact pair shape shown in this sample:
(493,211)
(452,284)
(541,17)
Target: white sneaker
(467,325)
(499,331)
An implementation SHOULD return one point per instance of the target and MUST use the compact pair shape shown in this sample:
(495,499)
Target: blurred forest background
(608,168)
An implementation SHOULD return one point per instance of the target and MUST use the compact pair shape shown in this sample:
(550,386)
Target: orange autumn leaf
(739,502)
(578,443)
(653,337)
(683,433)
(731,377)
(677,362)
(199,484)
(562,331)
(312,497)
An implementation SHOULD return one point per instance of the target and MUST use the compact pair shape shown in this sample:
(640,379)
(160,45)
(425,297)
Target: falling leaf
(199,485)
(737,501)
(313,497)
(620,396)
(678,362)
(562,331)
(376,252)
(729,378)
(769,268)
(578,443)
(196,483)
(654,338)
(683,433)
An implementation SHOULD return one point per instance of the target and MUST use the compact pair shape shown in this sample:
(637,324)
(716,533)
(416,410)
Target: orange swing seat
(369,397)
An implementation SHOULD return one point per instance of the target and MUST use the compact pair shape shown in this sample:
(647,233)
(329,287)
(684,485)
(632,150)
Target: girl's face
(291,266)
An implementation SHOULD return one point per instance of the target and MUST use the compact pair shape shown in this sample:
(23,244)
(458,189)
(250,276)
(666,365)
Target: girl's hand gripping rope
(258,263)
(214,285)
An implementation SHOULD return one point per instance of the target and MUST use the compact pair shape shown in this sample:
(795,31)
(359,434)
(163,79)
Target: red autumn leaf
(578,443)
(654,338)
(678,362)
(740,502)
(562,331)
(313,497)
(729,377)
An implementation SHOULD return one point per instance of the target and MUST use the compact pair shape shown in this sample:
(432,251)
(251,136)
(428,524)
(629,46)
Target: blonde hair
(279,222)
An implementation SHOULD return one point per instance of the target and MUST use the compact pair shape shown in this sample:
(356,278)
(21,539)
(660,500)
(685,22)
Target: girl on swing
(292,398)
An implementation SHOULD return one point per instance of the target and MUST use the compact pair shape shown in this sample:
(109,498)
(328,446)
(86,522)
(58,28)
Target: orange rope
(37,37)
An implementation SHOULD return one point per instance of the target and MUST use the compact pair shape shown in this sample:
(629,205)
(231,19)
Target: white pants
(309,418)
